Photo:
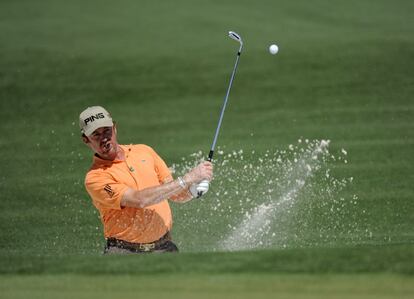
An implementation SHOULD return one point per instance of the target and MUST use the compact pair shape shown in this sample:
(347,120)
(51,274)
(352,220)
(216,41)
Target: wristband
(182,182)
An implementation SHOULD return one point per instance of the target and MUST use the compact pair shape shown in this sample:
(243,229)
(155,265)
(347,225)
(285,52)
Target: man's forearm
(152,195)
(182,197)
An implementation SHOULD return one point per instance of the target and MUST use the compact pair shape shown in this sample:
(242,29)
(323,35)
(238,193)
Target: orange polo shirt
(106,183)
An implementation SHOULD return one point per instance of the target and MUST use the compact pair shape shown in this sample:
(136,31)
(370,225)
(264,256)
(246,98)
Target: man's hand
(199,178)
(203,171)
(197,190)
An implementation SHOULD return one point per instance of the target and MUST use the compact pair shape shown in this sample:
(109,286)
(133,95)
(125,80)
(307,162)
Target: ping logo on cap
(93,117)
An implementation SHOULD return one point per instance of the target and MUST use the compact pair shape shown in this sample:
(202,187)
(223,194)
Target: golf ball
(273,49)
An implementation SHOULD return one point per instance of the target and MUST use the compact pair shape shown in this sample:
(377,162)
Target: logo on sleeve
(109,190)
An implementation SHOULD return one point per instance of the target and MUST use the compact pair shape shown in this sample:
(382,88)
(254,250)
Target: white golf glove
(197,190)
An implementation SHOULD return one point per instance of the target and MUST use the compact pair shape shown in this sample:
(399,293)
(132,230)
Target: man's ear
(114,128)
(85,139)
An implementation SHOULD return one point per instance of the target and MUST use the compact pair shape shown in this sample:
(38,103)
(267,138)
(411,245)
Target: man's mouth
(106,147)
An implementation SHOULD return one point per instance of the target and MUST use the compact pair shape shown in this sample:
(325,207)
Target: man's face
(103,142)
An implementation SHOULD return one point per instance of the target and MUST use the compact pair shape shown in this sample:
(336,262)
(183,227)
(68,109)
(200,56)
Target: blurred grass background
(344,72)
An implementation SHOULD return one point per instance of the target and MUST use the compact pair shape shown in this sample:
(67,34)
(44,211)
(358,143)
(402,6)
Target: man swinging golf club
(130,185)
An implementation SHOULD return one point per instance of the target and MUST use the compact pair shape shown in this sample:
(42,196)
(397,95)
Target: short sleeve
(161,168)
(104,190)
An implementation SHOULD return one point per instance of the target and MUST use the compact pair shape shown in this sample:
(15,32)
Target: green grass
(203,286)
(344,72)
(367,259)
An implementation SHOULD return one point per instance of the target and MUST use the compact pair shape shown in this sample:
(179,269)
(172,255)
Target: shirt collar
(97,161)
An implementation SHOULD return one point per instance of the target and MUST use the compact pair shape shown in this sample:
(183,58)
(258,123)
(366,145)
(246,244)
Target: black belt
(138,247)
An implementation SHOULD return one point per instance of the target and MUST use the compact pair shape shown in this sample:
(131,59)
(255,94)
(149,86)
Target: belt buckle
(147,247)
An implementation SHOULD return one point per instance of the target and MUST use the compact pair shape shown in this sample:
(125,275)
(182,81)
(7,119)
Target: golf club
(236,37)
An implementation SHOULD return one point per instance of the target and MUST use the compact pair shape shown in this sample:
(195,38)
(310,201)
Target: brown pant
(164,244)
(117,250)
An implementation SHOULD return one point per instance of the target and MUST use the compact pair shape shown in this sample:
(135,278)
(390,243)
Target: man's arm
(150,196)
(174,190)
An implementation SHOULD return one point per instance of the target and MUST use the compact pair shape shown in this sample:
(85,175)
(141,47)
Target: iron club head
(236,37)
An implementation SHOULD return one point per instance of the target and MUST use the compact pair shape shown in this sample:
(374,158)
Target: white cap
(93,118)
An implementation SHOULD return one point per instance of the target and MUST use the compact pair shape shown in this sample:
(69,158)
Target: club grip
(210,156)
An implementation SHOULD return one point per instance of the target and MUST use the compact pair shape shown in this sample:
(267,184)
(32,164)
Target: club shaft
(210,155)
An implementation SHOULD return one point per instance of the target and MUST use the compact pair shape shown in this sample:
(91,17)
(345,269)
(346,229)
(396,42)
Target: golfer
(130,185)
